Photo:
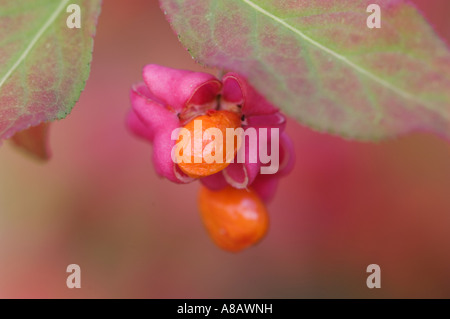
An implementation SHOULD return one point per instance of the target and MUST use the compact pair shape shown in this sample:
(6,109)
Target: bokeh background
(98,202)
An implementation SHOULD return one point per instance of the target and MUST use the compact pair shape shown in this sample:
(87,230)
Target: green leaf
(320,63)
(44,64)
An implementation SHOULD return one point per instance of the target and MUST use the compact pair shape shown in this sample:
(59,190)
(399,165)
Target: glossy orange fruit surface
(235,218)
(205,166)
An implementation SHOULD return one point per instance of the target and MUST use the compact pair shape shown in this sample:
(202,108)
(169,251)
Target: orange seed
(220,120)
(235,218)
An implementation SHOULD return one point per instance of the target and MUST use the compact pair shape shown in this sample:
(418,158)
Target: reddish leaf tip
(34,141)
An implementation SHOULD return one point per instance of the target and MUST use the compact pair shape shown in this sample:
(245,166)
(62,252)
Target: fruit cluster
(233,196)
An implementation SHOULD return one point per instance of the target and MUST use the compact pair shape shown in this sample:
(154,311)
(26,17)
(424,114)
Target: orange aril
(220,120)
(235,218)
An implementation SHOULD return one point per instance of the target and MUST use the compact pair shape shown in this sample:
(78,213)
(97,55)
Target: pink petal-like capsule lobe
(149,119)
(236,90)
(242,175)
(214,182)
(265,186)
(152,114)
(180,89)
(162,158)
(239,174)
(136,126)
(275,120)
(169,98)
(287,155)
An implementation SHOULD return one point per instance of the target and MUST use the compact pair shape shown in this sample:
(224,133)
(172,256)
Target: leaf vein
(33,42)
(336,55)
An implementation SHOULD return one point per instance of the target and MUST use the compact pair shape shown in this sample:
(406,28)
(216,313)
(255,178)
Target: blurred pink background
(98,202)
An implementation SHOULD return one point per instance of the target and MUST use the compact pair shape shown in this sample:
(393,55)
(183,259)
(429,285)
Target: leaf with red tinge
(34,141)
(44,64)
(320,63)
